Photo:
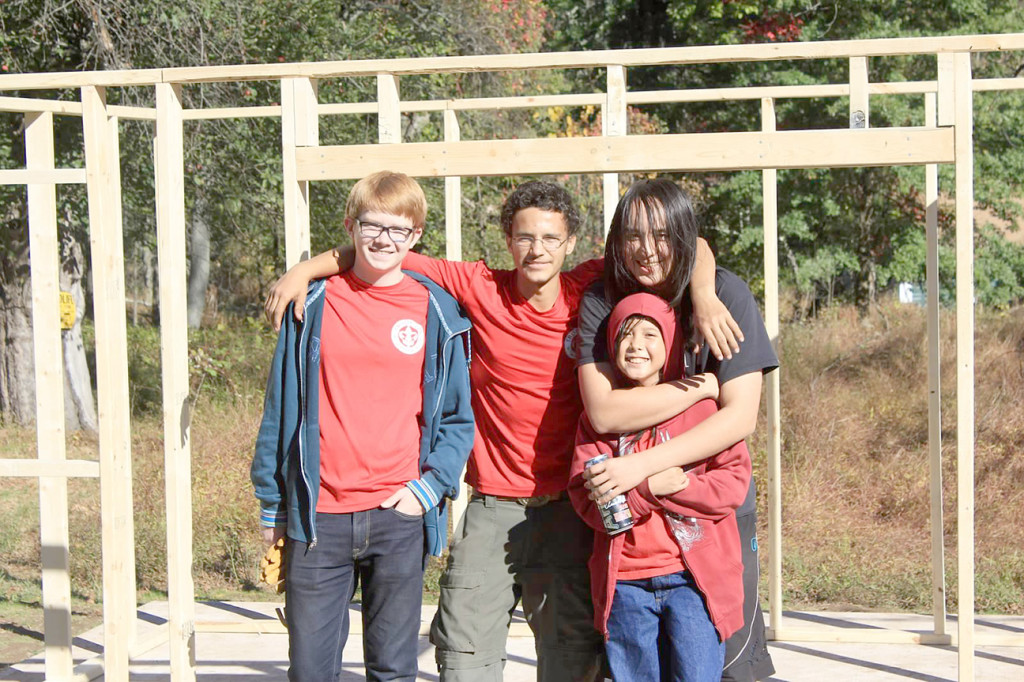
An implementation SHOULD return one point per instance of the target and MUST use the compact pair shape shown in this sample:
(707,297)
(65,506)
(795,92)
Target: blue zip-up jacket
(286,464)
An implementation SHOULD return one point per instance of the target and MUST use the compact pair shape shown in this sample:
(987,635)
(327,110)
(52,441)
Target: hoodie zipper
(302,428)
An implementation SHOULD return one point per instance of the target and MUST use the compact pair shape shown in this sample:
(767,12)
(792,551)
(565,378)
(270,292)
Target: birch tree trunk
(79,404)
(199,264)
(17,381)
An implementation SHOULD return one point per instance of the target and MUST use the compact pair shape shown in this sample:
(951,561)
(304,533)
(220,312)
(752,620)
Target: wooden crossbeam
(689,152)
(659,56)
(38,468)
(42,176)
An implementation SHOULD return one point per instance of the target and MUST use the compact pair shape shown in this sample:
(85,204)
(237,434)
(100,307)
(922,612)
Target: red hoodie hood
(663,315)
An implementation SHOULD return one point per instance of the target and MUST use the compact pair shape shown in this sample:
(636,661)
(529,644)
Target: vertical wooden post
(171,231)
(389,112)
(103,181)
(452,196)
(859,112)
(964,150)
(614,122)
(934,382)
(453,251)
(945,89)
(769,196)
(49,376)
(299,128)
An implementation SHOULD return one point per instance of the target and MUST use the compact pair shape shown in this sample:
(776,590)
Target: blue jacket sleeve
(442,467)
(268,461)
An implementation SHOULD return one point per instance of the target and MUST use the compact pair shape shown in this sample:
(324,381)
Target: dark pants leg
(390,566)
(318,589)
(386,548)
(746,652)
(552,572)
(503,552)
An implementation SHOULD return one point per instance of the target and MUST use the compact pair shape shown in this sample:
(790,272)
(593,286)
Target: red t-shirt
(650,548)
(371,390)
(526,399)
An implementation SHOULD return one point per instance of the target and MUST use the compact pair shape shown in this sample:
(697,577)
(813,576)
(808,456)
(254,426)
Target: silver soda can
(615,513)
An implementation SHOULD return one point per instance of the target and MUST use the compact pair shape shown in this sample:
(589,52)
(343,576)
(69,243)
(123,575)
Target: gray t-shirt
(756,352)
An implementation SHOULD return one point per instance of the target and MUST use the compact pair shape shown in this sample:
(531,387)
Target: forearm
(324,264)
(721,488)
(619,410)
(703,276)
(711,436)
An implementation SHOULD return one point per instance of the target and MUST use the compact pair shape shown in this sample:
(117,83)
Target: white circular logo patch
(570,344)
(407,335)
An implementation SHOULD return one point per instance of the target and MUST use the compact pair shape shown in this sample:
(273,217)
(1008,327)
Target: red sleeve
(454,276)
(716,491)
(589,444)
(586,273)
(717,486)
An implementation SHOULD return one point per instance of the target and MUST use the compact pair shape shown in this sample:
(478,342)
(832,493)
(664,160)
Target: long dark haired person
(650,248)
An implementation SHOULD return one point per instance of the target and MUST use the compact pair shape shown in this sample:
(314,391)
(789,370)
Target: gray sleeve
(593,322)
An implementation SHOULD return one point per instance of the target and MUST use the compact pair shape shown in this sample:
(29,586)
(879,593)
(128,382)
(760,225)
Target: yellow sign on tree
(67,310)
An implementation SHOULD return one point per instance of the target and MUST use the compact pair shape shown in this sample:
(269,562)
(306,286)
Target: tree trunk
(199,264)
(17,382)
(79,405)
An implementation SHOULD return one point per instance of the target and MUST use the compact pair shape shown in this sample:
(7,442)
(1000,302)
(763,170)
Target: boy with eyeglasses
(366,428)
(520,538)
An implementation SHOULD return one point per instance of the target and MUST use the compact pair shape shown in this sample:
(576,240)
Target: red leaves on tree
(774,27)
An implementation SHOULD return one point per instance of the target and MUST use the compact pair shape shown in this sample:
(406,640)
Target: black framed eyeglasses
(398,235)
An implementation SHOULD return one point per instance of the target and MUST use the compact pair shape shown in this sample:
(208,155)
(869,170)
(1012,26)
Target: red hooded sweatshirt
(717,487)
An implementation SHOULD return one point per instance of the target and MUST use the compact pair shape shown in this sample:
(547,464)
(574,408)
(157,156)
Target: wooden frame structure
(945,138)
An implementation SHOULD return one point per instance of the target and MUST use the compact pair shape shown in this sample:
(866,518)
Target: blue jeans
(384,549)
(659,629)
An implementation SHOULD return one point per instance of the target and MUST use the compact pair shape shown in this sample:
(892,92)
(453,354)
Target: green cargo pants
(503,552)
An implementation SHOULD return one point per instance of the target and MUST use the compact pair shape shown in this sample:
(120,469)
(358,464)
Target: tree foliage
(844,232)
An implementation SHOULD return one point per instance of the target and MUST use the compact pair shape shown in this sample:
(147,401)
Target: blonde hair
(387,192)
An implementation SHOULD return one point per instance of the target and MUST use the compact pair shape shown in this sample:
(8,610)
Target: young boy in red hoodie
(668,591)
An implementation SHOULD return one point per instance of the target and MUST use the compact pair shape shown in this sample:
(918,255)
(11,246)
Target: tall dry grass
(856,513)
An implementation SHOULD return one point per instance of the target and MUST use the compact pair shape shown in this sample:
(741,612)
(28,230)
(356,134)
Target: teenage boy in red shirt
(520,538)
(367,425)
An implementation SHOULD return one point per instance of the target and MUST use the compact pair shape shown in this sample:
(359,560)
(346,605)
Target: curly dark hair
(664,204)
(546,196)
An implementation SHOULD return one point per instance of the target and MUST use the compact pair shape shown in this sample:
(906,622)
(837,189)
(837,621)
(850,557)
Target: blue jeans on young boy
(384,548)
(659,629)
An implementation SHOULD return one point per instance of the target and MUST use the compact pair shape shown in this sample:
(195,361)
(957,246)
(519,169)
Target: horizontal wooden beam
(637,153)
(636,97)
(231,112)
(31,104)
(59,80)
(989,84)
(661,56)
(869,635)
(601,58)
(36,468)
(132,113)
(32,176)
